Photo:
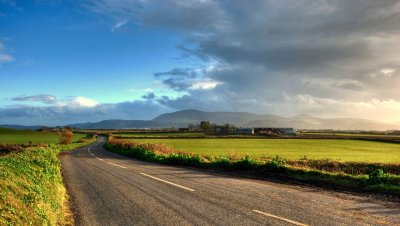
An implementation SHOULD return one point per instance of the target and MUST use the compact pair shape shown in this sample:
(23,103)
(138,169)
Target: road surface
(110,189)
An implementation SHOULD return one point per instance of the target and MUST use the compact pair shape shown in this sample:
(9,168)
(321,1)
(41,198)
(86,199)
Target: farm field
(293,149)
(352,135)
(12,136)
(156,135)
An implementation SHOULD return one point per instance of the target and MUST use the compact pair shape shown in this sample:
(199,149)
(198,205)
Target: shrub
(65,136)
(245,163)
(378,177)
(277,162)
(8,148)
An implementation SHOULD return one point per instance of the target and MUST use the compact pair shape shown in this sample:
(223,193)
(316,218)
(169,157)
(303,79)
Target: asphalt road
(110,189)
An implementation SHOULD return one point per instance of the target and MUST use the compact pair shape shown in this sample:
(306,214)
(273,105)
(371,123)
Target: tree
(205,125)
(228,127)
(65,136)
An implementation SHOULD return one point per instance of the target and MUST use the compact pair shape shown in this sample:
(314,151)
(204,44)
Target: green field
(294,149)
(156,135)
(352,135)
(12,136)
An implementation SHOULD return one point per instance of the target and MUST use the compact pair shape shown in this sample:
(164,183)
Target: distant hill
(185,117)
(118,124)
(20,127)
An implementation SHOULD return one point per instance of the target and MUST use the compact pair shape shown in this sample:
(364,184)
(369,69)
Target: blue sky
(75,61)
(62,49)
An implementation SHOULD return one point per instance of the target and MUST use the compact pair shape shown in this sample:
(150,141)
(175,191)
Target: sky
(75,61)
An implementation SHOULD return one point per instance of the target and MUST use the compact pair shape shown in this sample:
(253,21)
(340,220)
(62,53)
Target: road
(110,189)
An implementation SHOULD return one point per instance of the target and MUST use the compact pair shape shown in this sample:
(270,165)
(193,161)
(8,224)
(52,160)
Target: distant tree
(192,127)
(205,126)
(228,127)
(65,136)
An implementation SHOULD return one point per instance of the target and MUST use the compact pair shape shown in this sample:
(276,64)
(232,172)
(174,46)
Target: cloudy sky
(76,61)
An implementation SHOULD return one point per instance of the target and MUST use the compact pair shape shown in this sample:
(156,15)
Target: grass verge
(31,187)
(277,168)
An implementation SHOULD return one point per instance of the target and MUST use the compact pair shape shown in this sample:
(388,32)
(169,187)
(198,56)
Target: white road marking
(177,185)
(279,218)
(123,167)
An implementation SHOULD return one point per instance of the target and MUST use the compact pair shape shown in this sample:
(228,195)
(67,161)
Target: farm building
(183,130)
(275,131)
(244,131)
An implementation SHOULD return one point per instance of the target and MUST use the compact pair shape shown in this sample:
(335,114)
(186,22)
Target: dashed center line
(279,218)
(167,182)
(192,190)
(123,167)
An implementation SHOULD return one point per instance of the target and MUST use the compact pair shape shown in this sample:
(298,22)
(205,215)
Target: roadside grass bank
(31,186)
(374,179)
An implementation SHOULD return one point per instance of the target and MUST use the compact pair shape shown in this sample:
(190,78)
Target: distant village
(206,126)
(209,127)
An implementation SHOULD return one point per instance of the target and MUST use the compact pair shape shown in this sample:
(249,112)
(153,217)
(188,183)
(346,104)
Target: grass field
(352,135)
(156,135)
(12,136)
(293,149)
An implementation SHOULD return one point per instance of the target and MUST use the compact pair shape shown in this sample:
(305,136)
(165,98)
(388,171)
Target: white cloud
(54,101)
(387,71)
(83,102)
(5,57)
(119,25)
(205,84)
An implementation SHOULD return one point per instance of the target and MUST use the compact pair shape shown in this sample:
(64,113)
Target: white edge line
(279,218)
(177,185)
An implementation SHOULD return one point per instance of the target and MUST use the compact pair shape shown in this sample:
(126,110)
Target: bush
(245,163)
(378,177)
(8,148)
(65,136)
(277,162)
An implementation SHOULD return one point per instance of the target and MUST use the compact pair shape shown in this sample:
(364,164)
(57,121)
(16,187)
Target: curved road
(110,189)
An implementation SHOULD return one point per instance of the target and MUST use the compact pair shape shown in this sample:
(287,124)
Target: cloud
(83,102)
(44,98)
(79,110)
(333,58)
(322,52)
(184,79)
(52,100)
(119,25)
(5,57)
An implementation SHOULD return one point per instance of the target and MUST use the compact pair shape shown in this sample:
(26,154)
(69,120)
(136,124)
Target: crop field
(159,135)
(12,136)
(352,135)
(291,149)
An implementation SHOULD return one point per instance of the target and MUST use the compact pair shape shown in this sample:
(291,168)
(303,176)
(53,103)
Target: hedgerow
(277,167)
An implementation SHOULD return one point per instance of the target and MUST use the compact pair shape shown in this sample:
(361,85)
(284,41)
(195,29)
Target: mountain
(242,119)
(117,124)
(20,127)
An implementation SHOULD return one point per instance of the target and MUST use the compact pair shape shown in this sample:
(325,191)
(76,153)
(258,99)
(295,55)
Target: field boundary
(376,182)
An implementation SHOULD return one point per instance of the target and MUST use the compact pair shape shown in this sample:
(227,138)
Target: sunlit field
(12,136)
(338,150)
